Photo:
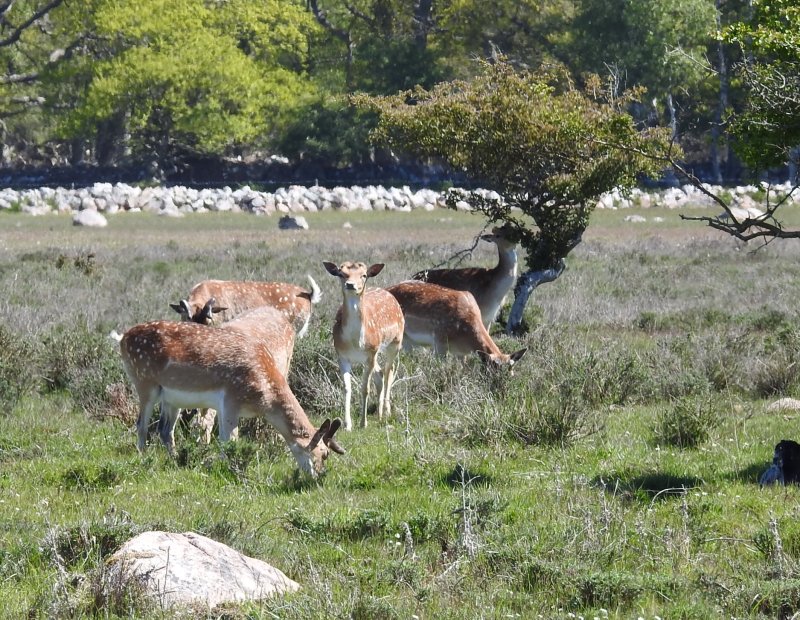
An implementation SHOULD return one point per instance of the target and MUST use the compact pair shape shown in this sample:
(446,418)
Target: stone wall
(177,200)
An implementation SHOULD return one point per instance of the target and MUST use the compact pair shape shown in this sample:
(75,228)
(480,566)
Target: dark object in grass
(785,466)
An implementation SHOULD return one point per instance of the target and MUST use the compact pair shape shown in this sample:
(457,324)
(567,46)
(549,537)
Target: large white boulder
(191,570)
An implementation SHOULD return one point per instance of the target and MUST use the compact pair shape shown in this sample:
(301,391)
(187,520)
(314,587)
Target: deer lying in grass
(231,298)
(489,286)
(230,370)
(266,324)
(448,321)
(369,323)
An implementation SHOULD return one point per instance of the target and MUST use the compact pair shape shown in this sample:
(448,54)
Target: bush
(84,363)
(19,370)
(687,422)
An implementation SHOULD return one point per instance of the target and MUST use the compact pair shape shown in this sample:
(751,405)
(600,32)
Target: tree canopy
(547,147)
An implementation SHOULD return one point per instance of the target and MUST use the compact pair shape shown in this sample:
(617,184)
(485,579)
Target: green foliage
(228,75)
(768,128)
(688,422)
(86,364)
(548,148)
(327,131)
(19,372)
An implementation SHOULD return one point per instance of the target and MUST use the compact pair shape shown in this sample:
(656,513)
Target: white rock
(190,569)
(783,404)
(89,218)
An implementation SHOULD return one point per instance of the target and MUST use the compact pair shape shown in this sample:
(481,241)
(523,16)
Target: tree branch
(16,32)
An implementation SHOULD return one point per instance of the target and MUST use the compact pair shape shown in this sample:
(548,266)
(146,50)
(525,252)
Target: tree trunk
(722,104)
(526,282)
(673,116)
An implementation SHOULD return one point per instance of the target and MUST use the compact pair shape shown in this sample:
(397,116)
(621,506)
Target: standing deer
(189,365)
(448,321)
(368,323)
(489,286)
(230,298)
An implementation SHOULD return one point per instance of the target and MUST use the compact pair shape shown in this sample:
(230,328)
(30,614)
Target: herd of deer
(240,368)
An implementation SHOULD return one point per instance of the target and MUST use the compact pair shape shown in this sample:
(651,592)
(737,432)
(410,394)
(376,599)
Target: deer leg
(206,423)
(347,377)
(166,427)
(228,418)
(370,367)
(389,367)
(147,400)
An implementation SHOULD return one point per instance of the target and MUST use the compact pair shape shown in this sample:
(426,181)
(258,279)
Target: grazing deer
(266,324)
(448,321)
(231,298)
(189,365)
(368,323)
(489,286)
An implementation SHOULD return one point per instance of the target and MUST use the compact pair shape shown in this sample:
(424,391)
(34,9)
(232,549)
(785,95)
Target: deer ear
(319,434)
(332,268)
(217,309)
(375,269)
(177,308)
(517,355)
(330,441)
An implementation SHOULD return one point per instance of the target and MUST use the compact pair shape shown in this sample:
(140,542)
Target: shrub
(84,363)
(18,367)
(687,422)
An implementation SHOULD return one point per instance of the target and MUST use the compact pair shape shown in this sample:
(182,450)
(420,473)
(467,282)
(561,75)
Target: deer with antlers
(369,323)
(230,298)
(448,321)
(231,370)
(489,286)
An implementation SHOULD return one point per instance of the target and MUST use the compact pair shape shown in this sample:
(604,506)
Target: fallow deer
(448,321)
(368,323)
(489,286)
(231,298)
(265,324)
(189,365)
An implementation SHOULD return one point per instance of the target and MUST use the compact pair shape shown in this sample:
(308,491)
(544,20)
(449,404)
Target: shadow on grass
(749,474)
(646,486)
(460,475)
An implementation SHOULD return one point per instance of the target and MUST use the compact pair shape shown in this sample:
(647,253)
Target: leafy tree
(527,32)
(768,129)
(658,44)
(386,43)
(27,46)
(186,77)
(549,149)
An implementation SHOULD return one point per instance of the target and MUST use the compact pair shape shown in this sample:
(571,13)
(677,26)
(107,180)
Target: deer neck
(353,315)
(506,262)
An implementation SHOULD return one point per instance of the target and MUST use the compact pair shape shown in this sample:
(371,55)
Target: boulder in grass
(90,218)
(293,222)
(784,404)
(190,570)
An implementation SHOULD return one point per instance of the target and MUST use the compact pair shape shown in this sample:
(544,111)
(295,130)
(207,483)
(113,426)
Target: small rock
(89,218)
(293,222)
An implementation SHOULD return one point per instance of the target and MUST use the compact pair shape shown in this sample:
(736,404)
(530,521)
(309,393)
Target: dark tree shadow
(647,486)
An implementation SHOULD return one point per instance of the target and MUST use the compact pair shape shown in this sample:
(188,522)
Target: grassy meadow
(613,475)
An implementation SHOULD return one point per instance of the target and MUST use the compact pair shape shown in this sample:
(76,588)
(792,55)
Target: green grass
(559,490)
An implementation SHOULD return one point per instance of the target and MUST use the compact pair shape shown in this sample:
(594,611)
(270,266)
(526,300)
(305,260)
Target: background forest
(166,84)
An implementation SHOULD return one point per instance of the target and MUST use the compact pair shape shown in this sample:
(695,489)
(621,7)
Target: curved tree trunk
(526,282)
